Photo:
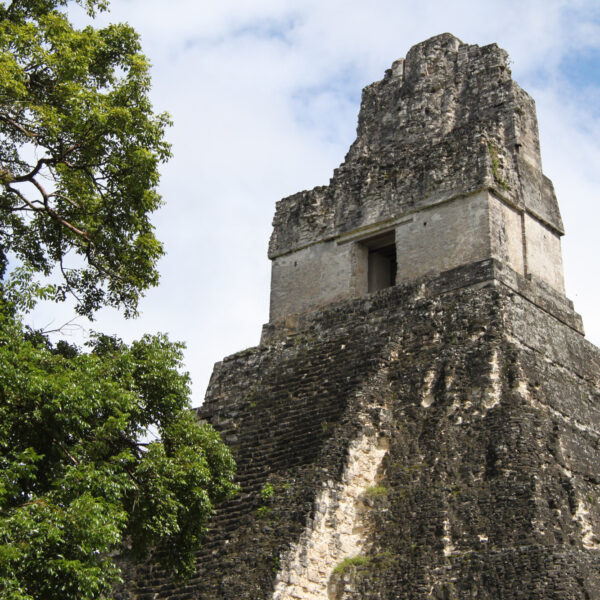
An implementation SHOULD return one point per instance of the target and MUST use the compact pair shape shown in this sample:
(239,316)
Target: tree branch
(31,204)
(49,162)
(18,126)
(48,209)
(62,328)
(71,457)
(30,176)
(66,278)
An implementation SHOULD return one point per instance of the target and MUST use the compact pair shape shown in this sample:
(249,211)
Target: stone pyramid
(421,418)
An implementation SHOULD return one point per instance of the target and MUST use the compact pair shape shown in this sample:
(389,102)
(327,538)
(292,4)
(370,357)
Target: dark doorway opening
(382,265)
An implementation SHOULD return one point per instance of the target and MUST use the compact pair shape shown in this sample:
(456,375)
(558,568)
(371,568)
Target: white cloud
(264,95)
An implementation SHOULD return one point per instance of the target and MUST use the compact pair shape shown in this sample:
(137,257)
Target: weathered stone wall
(493,484)
(443,130)
(448,435)
(506,235)
(438,238)
(446,121)
(287,409)
(443,237)
(315,276)
(544,256)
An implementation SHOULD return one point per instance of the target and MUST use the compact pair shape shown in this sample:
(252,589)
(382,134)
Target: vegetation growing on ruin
(376,491)
(350,562)
(496,167)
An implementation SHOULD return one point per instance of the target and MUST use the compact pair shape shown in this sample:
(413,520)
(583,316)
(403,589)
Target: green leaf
(75,112)
(76,479)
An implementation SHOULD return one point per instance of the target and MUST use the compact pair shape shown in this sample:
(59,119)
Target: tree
(79,153)
(76,482)
(79,482)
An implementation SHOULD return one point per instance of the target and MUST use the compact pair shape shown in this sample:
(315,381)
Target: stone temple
(421,419)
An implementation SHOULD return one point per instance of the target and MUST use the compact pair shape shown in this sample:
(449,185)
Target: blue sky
(265,96)
(581,72)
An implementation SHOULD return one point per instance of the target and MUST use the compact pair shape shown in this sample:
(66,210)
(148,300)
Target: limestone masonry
(445,170)
(421,419)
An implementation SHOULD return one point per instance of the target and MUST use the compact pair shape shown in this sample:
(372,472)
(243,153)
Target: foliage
(496,166)
(263,511)
(76,483)
(79,153)
(350,562)
(376,491)
(79,481)
(267,492)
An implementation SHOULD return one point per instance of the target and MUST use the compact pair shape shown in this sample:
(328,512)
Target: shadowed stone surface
(488,408)
(437,439)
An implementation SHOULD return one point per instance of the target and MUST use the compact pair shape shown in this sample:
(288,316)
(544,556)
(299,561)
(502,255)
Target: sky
(264,95)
